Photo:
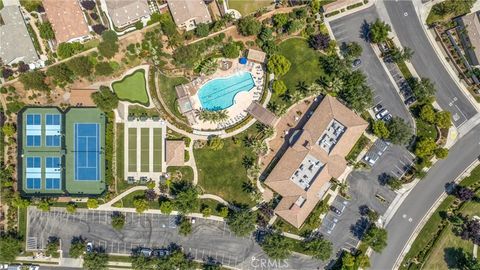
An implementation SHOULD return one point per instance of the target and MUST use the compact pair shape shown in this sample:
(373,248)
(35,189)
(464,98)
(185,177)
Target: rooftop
(306,166)
(66,18)
(126,11)
(256,56)
(186,10)
(262,114)
(175,152)
(15,42)
(471,23)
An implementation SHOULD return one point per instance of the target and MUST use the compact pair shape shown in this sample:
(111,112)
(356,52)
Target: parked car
(335,210)
(193,220)
(356,63)
(383,47)
(387,117)
(89,247)
(381,114)
(377,108)
(162,252)
(409,101)
(146,252)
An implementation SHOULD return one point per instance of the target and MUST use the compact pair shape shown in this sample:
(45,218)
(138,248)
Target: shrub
(279,87)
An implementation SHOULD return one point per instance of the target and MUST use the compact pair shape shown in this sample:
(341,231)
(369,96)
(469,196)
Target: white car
(381,114)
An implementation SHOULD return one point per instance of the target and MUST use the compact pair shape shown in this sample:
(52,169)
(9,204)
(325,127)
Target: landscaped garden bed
(166,87)
(132,88)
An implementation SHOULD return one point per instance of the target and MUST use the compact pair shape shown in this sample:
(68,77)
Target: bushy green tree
(185,227)
(376,238)
(427,113)
(77,247)
(103,69)
(92,203)
(68,49)
(95,260)
(10,246)
(441,153)
(186,200)
(166,207)
(9,129)
(319,248)
(118,221)
(109,45)
(46,31)
(81,66)
(380,129)
(352,50)
(141,205)
(34,80)
(280,19)
(400,131)
(105,99)
(60,74)
(425,147)
(202,30)
(44,205)
(422,89)
(277,246)
(242,222)
(230,50)
(279,87)
(278,65)
(379,31)
(443,119)
(71,207)
(249,26)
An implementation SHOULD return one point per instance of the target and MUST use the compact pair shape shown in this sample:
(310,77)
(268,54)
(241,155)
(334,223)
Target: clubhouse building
(316,154)
(61,153)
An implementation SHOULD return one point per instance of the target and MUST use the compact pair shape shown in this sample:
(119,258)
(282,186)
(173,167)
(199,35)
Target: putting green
(132,88)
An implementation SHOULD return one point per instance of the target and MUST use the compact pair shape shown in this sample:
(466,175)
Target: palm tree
(379,31)
(281,109)
(296,96)
(259,147)
(302,87)
(315,89)
(336,85)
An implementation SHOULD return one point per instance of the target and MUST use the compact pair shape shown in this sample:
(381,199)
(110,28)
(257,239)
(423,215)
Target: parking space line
(396,175)
(398,168)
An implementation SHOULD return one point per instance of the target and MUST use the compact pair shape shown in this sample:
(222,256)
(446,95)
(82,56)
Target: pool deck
(238,111)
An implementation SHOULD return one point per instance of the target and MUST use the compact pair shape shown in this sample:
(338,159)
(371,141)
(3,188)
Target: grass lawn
(222,173)
(181,172)
(305,63)
(362,142)
(167,90)
(246,7)
(132,88)
(425,129)
(128,200)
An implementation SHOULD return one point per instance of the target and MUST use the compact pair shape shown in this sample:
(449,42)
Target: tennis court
(87,151)
(157,149)
(132,149)
(144,149)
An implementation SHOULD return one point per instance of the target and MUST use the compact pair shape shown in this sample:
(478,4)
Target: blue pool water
(219,94)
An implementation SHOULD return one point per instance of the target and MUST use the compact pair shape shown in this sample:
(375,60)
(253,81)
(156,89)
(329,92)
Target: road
(426,62)
(424,195)
(349,28)
(209,238)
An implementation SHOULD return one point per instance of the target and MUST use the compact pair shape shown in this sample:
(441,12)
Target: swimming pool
(219,94)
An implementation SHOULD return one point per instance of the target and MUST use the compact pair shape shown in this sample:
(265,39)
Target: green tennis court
(144,149)
(157,150)
(132,149)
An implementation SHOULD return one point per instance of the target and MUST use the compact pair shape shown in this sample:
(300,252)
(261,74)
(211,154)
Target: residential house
(126,12)
(188,13)
(469,31)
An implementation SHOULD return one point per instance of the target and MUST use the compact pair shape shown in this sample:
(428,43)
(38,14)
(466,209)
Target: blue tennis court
(87,151)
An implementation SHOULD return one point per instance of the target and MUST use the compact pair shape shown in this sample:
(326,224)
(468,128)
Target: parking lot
(346,229)
(209,239)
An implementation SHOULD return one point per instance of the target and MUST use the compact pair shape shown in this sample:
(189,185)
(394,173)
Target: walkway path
(109,204)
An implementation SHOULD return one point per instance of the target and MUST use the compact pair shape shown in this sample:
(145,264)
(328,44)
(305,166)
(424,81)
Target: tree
(7,73)
(109,46)
(67,49)
(71,207)
(265,34)
(176,260)
(110,36)
(46,31)
(77,247)
(166,207)
(230,50)
(185,227)
(81,66)
(150,195)
(22,67)
(105,99)
(223,212)
(277,246)
(352,50)
(280,20)
(186,200)
(9,129)
(60,74)
(202,30)
(118,220)
(356,92)
(427,113)
(207,211)
(103,69)
(380,129)
(215,143)
(319,41)
(471,231)
(141,205)
(34,80)
(422,89)
(241,222)
(212,116)
(279,87)
(425,147)
(95,260)
(320,248)
(248,26)
(88,4)
(278,64)
(99,28)
(92,203)
(403,55)
(464,193)
(19,202)
(441,153)
(52,247)
(44,205)
(376,238)
(465,261)
(394,183)
(138,25)
(10,245)
(294,26)
(400,131)
(379,31)
(443,119)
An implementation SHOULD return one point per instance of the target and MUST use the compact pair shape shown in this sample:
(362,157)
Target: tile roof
(15,42)
(256,56)
(175,152)
(125,11)
(297,202)
(185,10)
(66,18)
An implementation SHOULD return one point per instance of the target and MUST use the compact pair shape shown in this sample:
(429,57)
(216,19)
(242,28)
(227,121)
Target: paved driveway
(349,28)
(365,190)
(426,62)
(209,239)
